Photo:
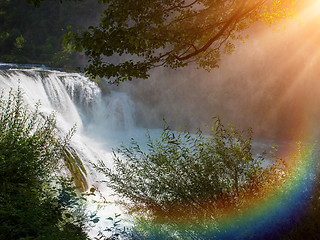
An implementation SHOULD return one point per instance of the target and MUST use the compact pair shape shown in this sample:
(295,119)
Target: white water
(103,122)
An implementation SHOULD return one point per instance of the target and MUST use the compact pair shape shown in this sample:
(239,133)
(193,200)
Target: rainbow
(282,199)
(278,209)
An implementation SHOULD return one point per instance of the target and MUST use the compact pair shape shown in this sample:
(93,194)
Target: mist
(270,84)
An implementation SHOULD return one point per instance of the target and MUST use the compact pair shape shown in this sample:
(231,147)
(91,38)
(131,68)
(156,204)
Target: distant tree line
(35,35)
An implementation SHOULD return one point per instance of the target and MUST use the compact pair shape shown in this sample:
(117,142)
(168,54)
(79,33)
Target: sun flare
(312,8)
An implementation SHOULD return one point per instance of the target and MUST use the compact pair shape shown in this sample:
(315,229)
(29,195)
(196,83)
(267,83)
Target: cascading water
(103,121)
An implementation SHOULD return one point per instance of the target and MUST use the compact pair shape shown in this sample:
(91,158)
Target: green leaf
(96,220)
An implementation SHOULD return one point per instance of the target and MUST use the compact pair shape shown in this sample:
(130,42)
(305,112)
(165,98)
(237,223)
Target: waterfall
(72,96)
(76,101)
(102,120)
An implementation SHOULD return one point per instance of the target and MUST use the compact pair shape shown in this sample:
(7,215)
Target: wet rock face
(76,168)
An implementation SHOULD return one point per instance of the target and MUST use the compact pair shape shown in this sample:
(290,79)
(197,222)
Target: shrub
(182,183)
(34,202)
(183,175)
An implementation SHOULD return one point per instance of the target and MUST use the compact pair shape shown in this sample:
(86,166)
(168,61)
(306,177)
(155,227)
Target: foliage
(116,231)
(192,179)
(35,35)
(37,3)
(183,172)
(135,36)
(34,202)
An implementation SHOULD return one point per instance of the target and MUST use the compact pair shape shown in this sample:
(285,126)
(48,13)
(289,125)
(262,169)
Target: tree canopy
(135,36)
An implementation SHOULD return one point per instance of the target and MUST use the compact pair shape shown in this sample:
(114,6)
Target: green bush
(177,187)
(183,171)
(34,202)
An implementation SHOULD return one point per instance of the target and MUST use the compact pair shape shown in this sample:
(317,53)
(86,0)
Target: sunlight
(312,8)
(302,60)
(281,72)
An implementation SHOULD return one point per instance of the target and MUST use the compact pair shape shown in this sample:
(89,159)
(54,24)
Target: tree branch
(239,14)
(185,6)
